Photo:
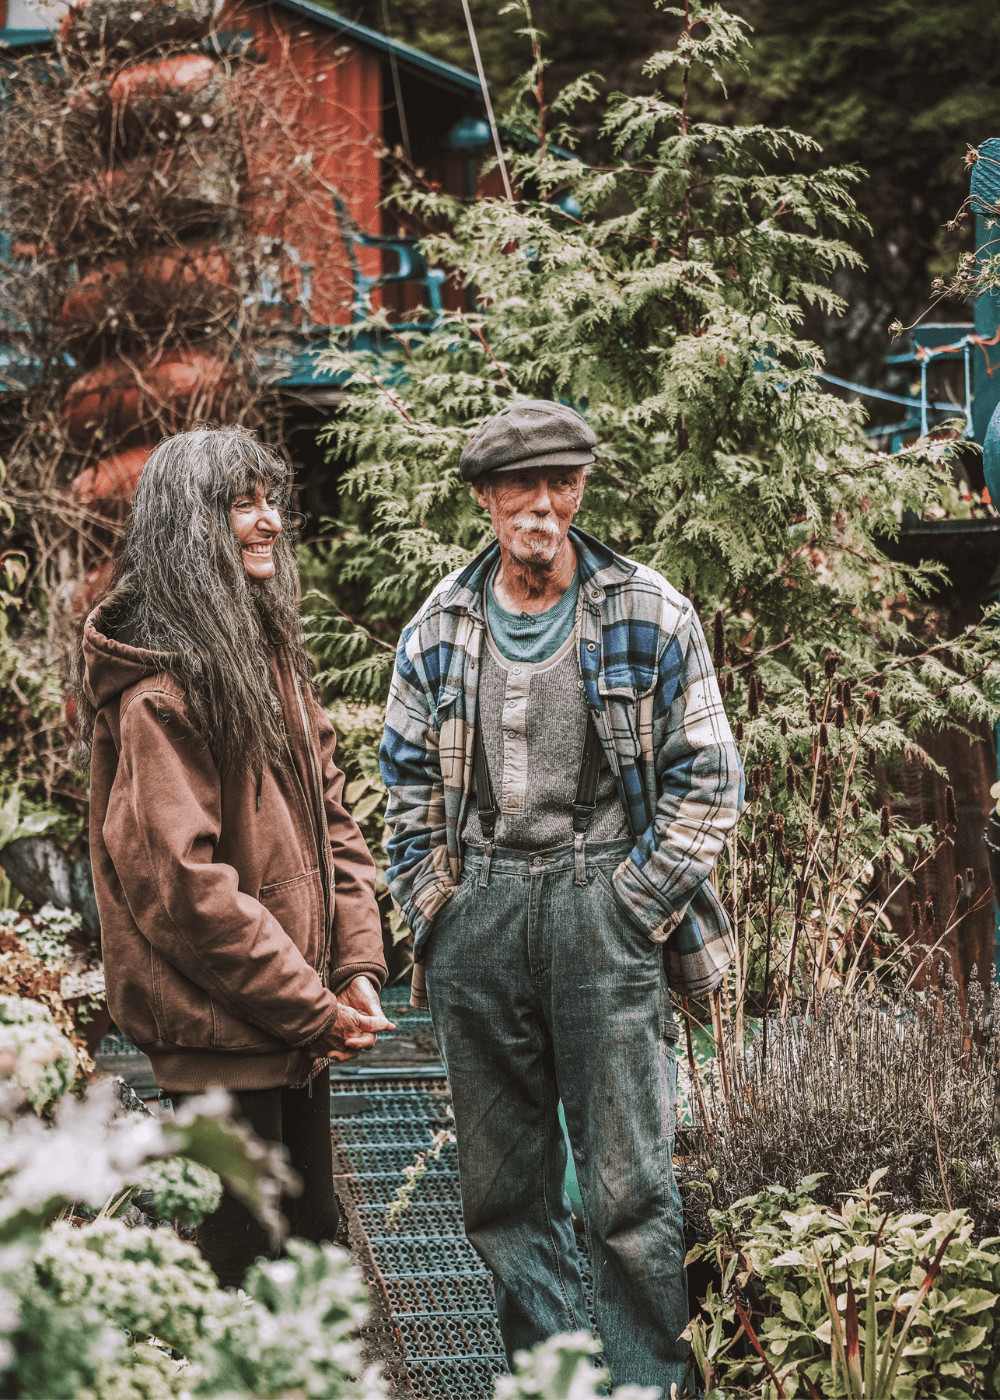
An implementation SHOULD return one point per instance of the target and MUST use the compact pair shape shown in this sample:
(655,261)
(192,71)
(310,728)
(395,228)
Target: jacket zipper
(319,826)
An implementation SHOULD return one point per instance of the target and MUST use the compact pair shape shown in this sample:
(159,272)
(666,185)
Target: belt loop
(484,877)
(579,859)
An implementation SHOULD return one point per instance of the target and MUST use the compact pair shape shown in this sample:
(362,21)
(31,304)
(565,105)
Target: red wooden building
(348,108)
(350,100)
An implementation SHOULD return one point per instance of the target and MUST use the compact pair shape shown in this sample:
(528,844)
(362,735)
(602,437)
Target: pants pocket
(617,911)
(619,950)
(457,900)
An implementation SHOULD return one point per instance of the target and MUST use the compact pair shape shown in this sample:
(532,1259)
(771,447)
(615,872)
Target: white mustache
(540,525)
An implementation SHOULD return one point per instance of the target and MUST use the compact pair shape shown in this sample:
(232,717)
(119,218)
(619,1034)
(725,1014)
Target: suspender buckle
(579,858)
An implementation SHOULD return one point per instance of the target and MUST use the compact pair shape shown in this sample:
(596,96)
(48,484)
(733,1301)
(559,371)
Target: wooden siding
(331,103)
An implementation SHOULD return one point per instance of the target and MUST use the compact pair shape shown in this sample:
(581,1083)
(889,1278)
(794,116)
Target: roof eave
(433,70)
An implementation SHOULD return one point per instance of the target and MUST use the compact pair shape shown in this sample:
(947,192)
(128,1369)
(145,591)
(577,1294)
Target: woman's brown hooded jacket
(232,909)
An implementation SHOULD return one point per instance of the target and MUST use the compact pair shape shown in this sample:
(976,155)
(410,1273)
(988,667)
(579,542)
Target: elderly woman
(242,941)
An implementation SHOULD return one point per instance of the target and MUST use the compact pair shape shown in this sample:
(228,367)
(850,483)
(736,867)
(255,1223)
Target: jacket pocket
(623,725)
(190,1017)
(297,904)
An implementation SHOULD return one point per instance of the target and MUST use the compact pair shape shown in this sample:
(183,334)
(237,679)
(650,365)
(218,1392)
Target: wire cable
(486,99)
(403,129)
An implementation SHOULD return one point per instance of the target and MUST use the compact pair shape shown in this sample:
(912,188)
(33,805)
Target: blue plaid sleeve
(419,876)
(664,883)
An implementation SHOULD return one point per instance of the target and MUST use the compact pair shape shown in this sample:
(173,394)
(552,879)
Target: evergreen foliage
(671,312)
(898,88)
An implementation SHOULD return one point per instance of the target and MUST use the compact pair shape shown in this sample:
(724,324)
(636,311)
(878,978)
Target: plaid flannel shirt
(655,701)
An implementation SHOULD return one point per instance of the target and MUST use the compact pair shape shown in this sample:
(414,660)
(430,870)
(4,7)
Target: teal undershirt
(531,637)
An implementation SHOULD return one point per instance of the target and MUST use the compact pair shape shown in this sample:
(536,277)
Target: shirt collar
(599,566)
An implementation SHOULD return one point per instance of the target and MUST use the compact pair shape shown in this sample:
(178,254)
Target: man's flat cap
(529,433)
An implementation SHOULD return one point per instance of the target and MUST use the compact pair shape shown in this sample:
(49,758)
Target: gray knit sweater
(534,720)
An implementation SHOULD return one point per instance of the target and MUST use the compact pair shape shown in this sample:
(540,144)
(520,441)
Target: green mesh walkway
(433,1324)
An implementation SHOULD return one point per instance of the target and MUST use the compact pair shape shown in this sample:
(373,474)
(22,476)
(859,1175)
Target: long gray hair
(180,587)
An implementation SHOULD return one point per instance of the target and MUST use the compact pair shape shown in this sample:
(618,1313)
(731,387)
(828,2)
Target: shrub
(880,1078)
(670,311)
(145,1282)
(771,1248)
(112,1312)
(298,1334)
(98,1306)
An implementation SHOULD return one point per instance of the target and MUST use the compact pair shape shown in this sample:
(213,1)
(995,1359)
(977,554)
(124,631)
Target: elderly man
(562,777)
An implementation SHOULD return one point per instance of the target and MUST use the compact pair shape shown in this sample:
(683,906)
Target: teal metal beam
(434,70)
(21,38)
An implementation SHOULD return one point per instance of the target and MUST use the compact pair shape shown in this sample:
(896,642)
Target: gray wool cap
(528,433)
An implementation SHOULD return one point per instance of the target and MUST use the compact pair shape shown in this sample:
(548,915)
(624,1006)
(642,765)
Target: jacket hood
(112,666)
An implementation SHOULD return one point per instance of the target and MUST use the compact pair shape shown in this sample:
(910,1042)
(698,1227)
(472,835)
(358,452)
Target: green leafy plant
(182,1190)
(359,733)
(146,1282)
(849,1300)
(113,1312)
(36,772)
(298,1334)
(670,310)
(870,1374)
(101,1309)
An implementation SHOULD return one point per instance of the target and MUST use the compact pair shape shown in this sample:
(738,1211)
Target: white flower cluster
(86,1154)
(563,1367)
(44,933)
(111,1312)
(146,1282)
(298,1334)
(184,1190)
(104,1306)
(149,1373)
(34,1055)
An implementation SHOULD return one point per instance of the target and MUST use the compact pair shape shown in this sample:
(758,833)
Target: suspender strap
(485,800)
(584,804)
(586,799)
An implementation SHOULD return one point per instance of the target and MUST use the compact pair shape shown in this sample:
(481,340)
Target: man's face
(532,509)
(257,523)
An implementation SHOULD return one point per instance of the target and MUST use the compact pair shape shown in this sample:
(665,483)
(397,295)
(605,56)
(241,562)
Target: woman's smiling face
(257,523)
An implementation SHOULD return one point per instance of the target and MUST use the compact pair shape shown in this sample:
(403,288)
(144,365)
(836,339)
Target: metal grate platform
(433,1327)
(432,1298)
(436,1297)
